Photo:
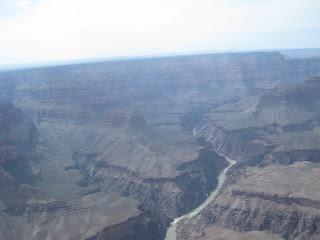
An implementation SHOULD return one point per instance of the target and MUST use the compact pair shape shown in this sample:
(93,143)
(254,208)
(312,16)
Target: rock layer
(273,189)
(124,128)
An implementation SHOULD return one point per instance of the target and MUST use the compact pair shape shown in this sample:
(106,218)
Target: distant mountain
(301,53)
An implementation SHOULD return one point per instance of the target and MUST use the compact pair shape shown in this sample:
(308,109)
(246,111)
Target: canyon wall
(125,129)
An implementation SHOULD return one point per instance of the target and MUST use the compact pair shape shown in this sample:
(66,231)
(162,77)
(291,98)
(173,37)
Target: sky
(33,31)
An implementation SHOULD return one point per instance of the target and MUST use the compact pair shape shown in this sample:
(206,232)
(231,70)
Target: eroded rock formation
(143,136)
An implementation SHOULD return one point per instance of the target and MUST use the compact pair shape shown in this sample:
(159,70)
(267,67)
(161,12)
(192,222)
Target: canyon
(118,149)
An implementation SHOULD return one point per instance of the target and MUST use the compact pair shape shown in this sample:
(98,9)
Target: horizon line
(68,62)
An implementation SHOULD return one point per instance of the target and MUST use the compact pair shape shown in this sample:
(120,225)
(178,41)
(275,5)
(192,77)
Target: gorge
(171,232)
(119,149)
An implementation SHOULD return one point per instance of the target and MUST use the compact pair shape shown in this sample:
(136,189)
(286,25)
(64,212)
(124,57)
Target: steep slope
(123,128)
(155,166)
(272,119)
(26,212)
(276,199)
(273,189)
(18,137)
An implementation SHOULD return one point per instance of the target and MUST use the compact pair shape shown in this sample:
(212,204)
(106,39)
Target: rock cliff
(272,190)
(143,135)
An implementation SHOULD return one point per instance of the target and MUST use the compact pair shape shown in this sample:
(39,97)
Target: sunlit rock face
(143,136)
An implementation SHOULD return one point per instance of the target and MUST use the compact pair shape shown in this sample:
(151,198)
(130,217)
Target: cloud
(23,3)
(71,29)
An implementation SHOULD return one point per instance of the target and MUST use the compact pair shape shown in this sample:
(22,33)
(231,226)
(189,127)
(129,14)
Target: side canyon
(118,149)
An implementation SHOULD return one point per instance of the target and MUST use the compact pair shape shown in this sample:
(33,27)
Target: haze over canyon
(119,149)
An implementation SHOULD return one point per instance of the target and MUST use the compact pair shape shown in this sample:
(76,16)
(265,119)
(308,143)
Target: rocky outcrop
(162,198)
(279,199)
(290,157)
(272,189)
(18,137)
(266,124)
(137,121)
(26,212)
(243,214)
(125,127)
(96,216)
(86,92)
(237,144)
(135,228)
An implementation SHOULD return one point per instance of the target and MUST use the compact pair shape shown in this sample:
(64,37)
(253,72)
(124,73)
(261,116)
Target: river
(171,232)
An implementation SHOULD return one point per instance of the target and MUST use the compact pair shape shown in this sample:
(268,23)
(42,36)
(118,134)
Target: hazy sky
(48,30)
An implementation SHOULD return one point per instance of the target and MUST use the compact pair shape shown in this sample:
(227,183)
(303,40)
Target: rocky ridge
(272,189)
(123,128)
